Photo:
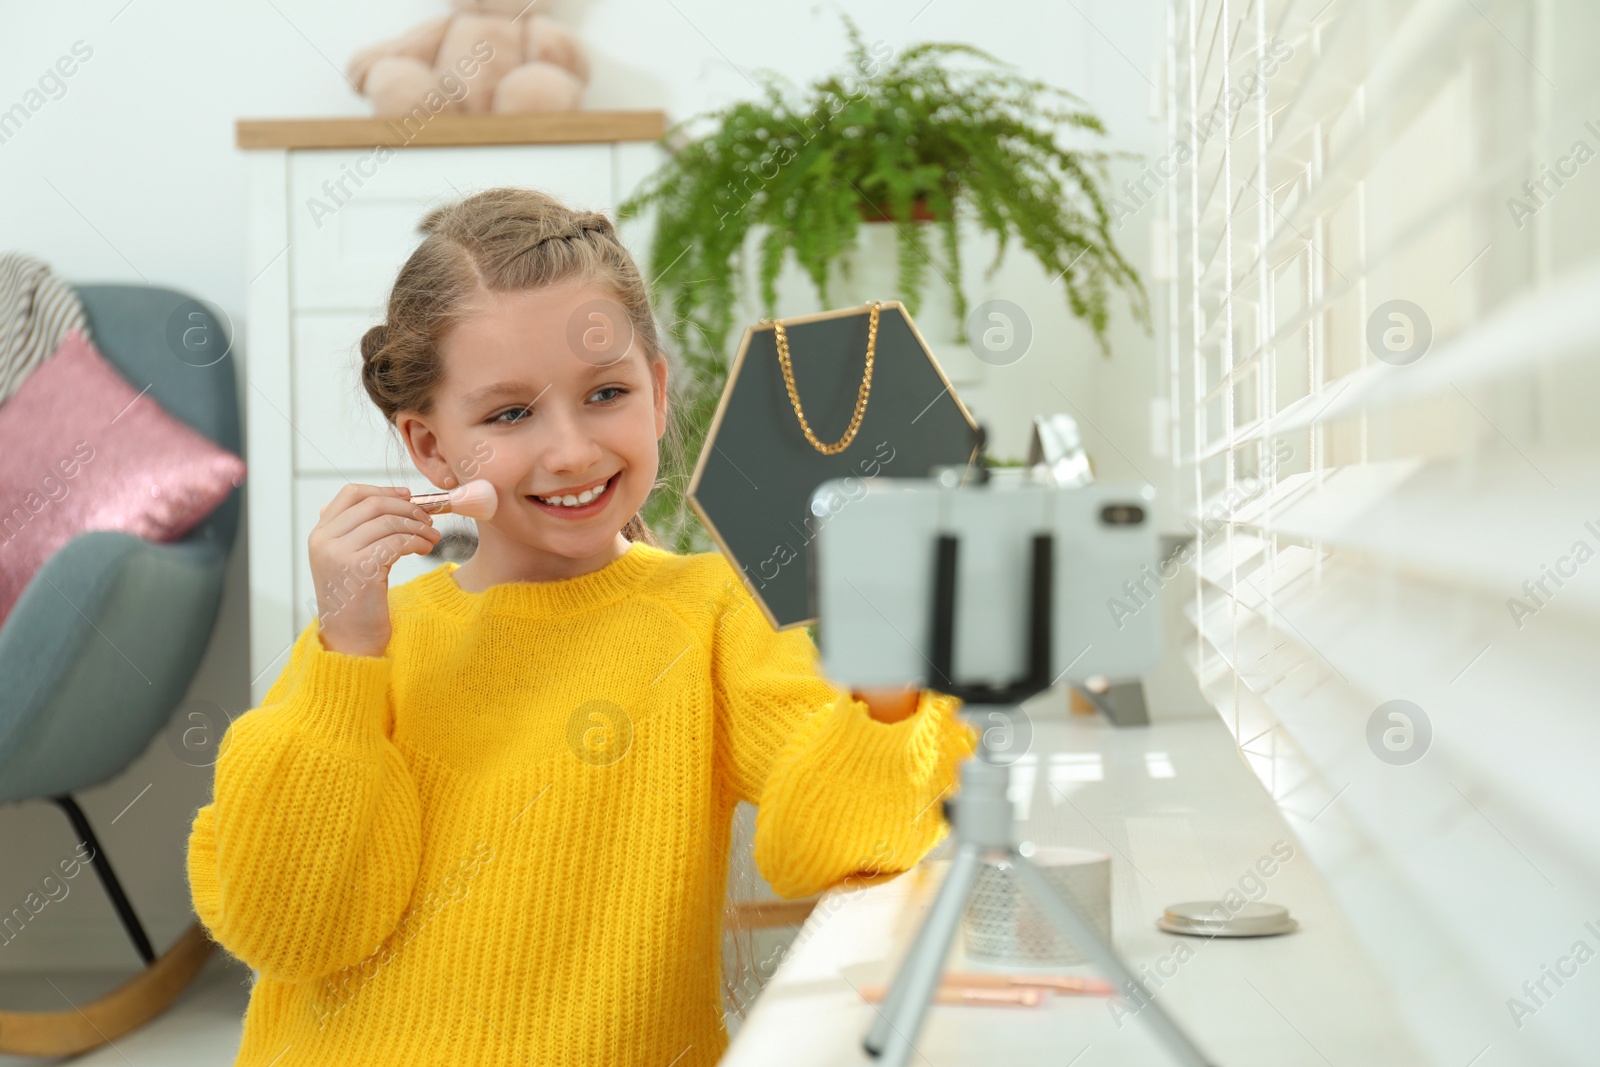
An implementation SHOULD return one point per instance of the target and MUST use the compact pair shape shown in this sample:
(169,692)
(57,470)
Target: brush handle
(432,503)
(1061,983)
(1022,997)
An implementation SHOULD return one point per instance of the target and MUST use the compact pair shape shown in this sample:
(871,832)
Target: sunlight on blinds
(1382,362)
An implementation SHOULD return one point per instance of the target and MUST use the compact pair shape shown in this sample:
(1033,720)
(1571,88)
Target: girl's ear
(423,445)
(658,372)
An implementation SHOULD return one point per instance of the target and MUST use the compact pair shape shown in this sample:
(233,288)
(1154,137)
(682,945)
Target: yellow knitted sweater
(505,841)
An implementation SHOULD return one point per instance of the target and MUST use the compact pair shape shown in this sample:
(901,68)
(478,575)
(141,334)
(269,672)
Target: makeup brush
(1021,996)
(475,499)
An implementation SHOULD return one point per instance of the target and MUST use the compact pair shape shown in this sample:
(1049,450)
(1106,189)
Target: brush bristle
(476,499)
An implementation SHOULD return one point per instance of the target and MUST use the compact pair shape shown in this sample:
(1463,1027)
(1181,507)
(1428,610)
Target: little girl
(483,818)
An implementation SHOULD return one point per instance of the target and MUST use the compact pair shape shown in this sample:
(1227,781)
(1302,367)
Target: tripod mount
(982,825)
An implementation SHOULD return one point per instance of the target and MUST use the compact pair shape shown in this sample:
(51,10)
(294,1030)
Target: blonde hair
(499,240)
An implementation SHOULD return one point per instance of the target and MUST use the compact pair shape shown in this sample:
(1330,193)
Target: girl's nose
(568,450)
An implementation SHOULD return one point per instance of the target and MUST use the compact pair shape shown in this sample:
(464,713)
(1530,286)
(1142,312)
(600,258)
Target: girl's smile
(576,510)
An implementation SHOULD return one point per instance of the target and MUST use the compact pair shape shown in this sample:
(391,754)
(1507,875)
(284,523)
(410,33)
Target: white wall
(131,175)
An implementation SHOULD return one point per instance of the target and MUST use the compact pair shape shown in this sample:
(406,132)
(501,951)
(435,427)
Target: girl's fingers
(335,525)
(394,546)
(387,526)
(387,536)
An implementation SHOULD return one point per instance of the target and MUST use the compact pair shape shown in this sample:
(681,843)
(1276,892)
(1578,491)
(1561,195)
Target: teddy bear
(489,56)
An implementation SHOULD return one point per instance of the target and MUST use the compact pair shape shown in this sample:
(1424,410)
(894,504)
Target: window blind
(1380,267)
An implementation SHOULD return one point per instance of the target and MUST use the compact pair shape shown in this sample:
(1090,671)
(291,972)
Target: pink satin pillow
(81,449)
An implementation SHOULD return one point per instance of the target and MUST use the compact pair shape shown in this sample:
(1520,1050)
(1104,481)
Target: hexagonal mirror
(758,468)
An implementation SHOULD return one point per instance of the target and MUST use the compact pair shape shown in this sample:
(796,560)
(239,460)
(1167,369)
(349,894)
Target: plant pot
(920,212)
(870,271)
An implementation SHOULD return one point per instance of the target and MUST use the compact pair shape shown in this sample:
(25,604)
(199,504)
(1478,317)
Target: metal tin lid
(1213,918)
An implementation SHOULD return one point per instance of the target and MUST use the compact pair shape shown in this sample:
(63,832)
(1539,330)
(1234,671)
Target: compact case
(1211,918)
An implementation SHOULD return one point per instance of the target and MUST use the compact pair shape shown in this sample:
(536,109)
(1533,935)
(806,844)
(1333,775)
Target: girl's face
(546,393)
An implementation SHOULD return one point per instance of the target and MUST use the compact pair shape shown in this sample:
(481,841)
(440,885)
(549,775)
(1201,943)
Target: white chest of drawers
(331,219)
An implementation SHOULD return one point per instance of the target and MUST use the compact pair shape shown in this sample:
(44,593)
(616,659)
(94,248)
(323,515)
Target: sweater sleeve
(838,793)
(307,855)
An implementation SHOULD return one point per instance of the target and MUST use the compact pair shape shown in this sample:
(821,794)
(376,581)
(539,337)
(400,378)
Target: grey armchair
(104,641)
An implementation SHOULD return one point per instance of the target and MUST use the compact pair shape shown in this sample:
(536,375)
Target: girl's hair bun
(372,342)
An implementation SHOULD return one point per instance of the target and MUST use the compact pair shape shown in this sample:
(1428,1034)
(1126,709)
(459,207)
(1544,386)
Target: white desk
(1310,997)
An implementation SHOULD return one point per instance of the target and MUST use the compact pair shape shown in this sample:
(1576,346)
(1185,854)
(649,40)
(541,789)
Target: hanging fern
(902,138)
(806,170)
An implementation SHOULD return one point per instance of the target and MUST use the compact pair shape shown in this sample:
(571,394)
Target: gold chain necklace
(861,399)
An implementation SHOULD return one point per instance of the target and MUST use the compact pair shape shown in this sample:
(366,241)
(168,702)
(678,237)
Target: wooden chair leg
(129,1006)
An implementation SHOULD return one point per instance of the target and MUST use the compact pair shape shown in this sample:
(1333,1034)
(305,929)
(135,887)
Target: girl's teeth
(573,501)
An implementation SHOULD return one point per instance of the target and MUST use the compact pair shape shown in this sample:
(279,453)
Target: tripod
(983,828)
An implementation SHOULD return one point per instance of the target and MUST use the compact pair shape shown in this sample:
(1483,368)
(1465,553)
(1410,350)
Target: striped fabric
(36,311)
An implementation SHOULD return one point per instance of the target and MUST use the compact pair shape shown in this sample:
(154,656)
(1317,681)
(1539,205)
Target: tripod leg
(1064,913)
(898,1021)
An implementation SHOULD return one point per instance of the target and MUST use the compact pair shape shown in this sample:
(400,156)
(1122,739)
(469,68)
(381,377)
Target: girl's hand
(888,705)
(363,530)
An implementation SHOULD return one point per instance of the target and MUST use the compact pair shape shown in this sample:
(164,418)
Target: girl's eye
(502,420)
(523,411)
